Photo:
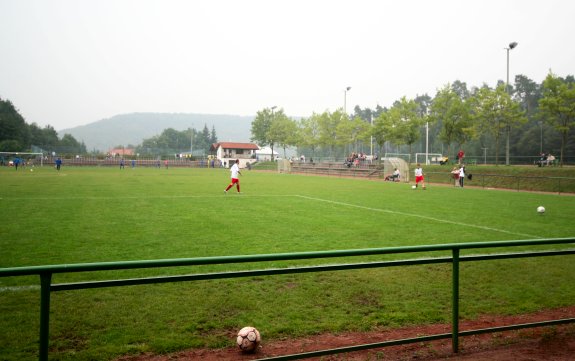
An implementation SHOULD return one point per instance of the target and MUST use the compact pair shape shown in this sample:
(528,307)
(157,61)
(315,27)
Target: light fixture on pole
(345,99)
(511,46)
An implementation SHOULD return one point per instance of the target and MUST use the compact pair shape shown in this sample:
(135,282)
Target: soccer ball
(540,209)
(248,339)
(413,187)
(31,170)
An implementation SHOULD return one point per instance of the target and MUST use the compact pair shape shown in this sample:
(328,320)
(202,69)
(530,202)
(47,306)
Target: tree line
(18,136)
(509,120)
(174,141)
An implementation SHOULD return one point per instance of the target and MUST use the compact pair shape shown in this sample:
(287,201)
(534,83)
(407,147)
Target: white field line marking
(295,195)
(231,194)
(419,216)
(19,288)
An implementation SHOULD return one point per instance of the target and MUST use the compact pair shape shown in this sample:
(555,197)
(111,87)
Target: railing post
(45,282)
(455,302)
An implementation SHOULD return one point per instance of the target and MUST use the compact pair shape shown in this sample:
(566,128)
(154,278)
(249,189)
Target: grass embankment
(531,178)
(101,214)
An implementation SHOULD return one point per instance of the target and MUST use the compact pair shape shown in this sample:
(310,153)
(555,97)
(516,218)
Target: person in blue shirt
(58,163)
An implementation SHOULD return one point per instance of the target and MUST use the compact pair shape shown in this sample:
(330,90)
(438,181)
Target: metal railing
(46,272)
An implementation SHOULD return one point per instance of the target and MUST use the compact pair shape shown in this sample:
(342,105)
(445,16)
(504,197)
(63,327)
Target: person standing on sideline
(461,175)
(235,171)
(419,176)
(455,175)
(122,163)
(58,163)
(460,156)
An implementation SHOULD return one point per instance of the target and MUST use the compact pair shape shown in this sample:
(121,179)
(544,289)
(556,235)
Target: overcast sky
(66,63)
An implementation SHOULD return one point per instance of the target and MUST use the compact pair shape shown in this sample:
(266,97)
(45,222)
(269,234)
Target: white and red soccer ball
(248,339)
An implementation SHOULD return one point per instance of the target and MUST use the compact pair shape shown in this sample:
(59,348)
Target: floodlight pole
(540,136)
(426,142)
(345,99)
(371,137)
(511,46)
(272,150)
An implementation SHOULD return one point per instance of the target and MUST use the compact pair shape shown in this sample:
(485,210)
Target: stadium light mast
(511,46)
(345,99)
(426,142)
(371,137)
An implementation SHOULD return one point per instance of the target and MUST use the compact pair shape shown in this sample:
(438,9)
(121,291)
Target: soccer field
(83,215)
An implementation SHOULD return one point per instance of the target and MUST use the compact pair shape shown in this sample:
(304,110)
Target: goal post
(404,156)
(432,158)
(5,157)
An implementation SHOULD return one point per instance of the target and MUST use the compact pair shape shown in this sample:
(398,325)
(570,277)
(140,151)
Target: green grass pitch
(82,215)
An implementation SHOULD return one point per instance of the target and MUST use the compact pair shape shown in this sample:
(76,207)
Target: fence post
(45,282)
(455,302)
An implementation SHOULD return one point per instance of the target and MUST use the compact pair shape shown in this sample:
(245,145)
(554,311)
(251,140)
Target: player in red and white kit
(419,176)
(235,171)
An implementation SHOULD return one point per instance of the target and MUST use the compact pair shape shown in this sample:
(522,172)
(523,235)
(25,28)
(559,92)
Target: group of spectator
(545,159)
(355,159)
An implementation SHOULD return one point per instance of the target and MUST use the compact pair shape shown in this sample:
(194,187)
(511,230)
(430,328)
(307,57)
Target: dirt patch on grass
(544,343)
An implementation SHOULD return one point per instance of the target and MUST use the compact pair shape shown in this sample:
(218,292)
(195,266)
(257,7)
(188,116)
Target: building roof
(232,145)
(121,151)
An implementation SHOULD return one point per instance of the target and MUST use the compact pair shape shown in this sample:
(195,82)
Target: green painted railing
(46,272)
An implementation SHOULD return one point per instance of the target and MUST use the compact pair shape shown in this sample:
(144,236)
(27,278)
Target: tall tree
(527,94)
(406,122)
(460,88)
(284,131)
(382,129)
(13,129)
(557,107)
(213,136)
(261,128)
(309,132)
(452,111)
(349,132)
(69,144)
(328,123)
(494,113)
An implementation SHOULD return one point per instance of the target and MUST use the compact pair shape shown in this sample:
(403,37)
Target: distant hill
(133,128)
